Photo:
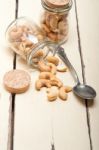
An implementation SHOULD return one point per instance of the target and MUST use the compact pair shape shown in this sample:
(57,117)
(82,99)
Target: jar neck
(61,10)
(39,47)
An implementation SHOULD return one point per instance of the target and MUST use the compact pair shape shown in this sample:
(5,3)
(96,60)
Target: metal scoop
(81,90)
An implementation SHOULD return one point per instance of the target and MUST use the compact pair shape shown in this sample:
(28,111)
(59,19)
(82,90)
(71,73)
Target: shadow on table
(88,103)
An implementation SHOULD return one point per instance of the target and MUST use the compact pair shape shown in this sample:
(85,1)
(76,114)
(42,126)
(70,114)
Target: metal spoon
(81,90)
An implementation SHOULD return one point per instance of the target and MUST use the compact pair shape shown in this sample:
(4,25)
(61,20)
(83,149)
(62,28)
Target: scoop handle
(61,53)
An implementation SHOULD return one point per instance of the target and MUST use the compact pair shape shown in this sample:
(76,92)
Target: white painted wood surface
(7,14)
(38,123)
(35,117)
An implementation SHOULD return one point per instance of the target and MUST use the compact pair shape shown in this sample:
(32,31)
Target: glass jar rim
(39,46)
(18,19)
(59,10)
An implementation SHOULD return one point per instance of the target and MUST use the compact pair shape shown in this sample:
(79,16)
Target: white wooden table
(38,124)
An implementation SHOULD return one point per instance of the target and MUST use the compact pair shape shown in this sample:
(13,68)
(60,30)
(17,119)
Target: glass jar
(26,39)
(54,20)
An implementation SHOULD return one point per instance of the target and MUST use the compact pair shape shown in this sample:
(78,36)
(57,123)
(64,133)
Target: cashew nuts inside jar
(27,40)
(54,19)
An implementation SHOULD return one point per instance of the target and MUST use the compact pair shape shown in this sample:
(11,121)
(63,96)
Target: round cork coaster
(16,81)
(56,3)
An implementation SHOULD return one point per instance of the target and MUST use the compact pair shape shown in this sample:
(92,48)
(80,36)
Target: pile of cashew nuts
(55,26)
(18,38)
(47,78)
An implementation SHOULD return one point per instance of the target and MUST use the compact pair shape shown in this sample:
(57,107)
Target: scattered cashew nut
(68,89)
(56,82)
(52,94)
(43,67)
(53,68)
(63,93)
(62,69)
(52,59)
(42,83)
(46,75)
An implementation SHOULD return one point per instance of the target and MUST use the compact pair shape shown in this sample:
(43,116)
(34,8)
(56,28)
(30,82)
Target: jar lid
(57,3)
(57,6)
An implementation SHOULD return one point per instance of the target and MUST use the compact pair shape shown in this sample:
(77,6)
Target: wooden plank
(7,14)
(60,123)
(88,15)
(70,127)
(32,112)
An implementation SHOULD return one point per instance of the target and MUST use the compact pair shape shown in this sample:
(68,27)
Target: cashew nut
(43,67)
(52,36)
(23,38)
(52,94)
(68,89)
(53,68)
(62,25)
(42,83)
(47,18)
(63,93)
(56,82)
(52,59)
(60,37)
(53,22)
(45,28)
(35,60)
(46,75)
(40,37)
(15,33)
(22,46)
(25,28)
(62,69)
(38,54)
(28,43)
